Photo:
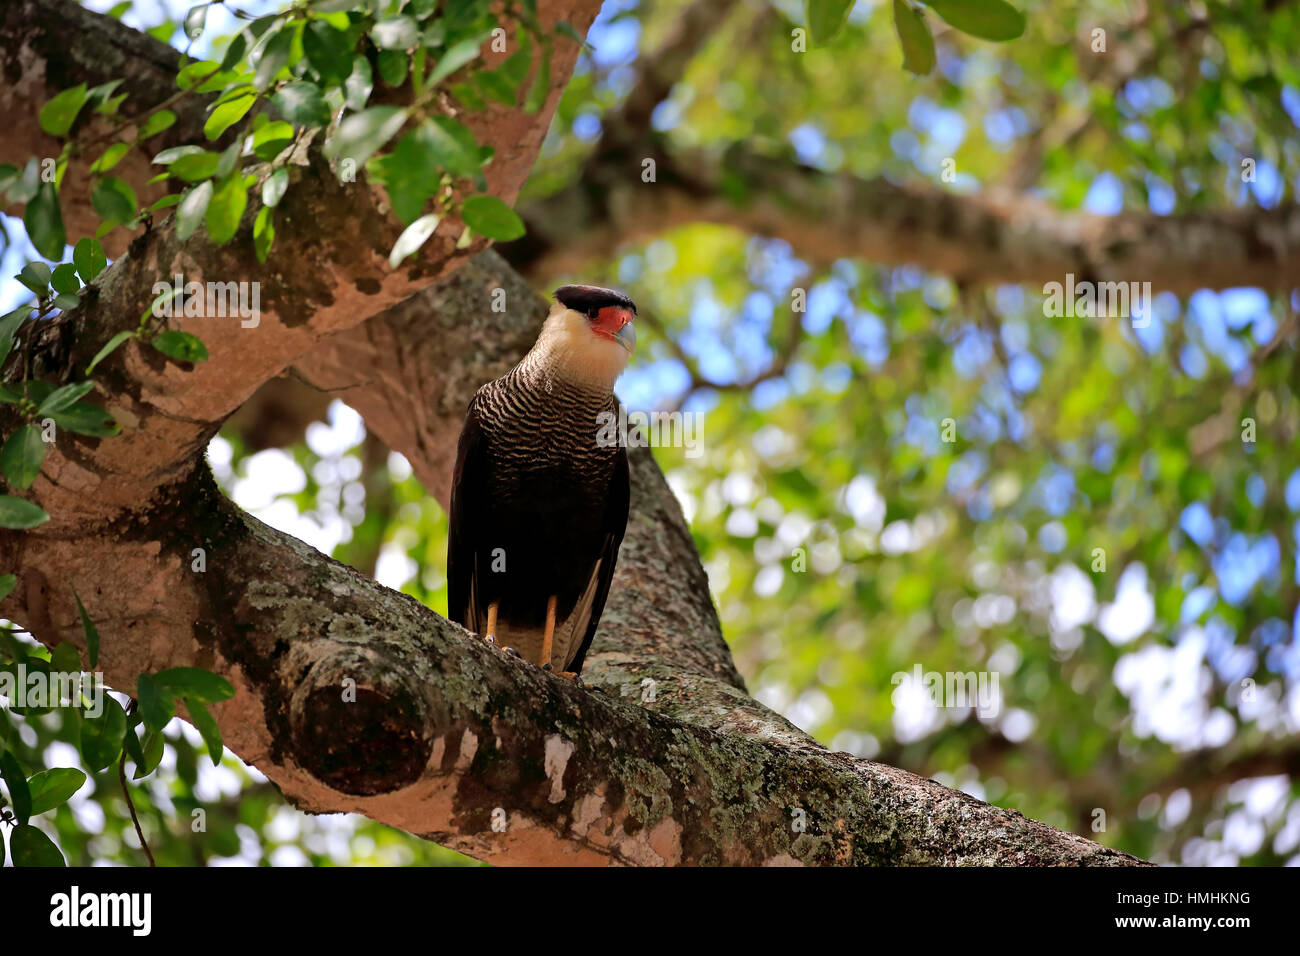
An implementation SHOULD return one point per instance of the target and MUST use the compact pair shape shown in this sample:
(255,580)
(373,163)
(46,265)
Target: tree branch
(825,217)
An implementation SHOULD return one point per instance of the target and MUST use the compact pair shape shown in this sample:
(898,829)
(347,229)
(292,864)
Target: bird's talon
(570,675)
(490,639)
(511,651)
(546,666)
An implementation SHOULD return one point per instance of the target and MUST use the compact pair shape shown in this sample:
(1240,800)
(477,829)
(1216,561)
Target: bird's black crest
(585,298)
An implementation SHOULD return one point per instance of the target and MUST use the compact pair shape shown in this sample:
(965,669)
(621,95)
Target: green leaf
(44,222)
(152,753)
(36,276)
(91,632)
(359,84)
(9,328)
(515,69)
(987,19)
(58,114)
(496,87)
(110,157)
(452,146)
(131,744)
(102,737)
(456,56)
(169,156)
(20,798)
(156,123)
(914,37)
(406,173)
(195,167)
(84,418)
(52,788)
(193,74)
(65,659)
(22,455)
(66,302)
(274,187)
(192,208)
(328,51)
(275,131)
(88,256)
(206,725)
(103,96)
(155,704)
(181,346)
(7,584)
(114,200)
(225,210)
(19,514)
(109,106)
(392,66)
(263,233)
(228,114)
(194,682)
(64,397)
(235,52)
(412,238)
(361,134)
(107,350)
(826,18)
(24,189)
(468,95)
(64,278)
(302,103)
(31,847)
(274,58)
(395,33)
(489,216)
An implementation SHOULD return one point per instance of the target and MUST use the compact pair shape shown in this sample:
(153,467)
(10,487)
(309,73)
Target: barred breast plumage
(539,502)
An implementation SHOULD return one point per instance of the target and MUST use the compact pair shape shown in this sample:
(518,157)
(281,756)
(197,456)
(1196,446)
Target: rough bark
(666,760)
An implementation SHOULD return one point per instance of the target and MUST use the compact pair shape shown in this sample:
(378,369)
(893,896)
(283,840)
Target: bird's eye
(593,313)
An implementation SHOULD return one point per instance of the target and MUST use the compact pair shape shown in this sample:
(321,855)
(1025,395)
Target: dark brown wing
(464,519)
(616,508)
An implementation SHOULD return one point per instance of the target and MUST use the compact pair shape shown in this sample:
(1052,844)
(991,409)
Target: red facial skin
(610,320)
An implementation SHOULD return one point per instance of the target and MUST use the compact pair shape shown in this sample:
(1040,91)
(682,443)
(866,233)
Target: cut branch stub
(359,725)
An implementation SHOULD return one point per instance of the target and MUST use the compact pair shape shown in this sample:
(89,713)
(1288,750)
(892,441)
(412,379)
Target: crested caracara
(538,503)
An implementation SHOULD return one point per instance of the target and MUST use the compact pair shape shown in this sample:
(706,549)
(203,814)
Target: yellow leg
(549,633)
(492,623)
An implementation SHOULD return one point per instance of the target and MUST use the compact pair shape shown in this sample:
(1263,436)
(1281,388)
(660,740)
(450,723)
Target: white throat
(569,350)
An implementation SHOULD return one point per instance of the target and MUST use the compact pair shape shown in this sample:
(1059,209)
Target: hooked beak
(615,322)
(626,337)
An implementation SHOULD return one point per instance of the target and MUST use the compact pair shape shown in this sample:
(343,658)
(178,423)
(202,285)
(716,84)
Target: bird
(539,497)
